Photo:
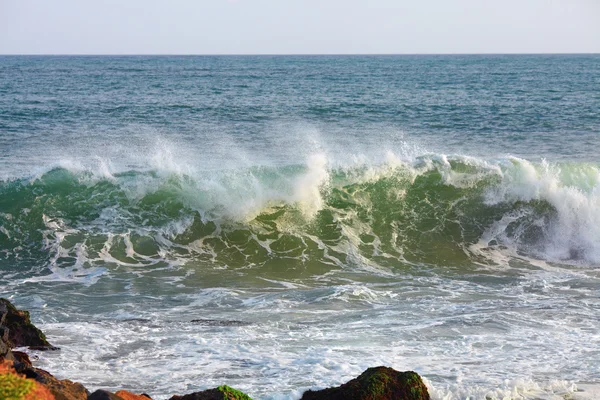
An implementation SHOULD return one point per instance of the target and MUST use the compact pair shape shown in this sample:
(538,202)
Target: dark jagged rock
(5,348)
(43,348)
(21,332)
(21,358)
(221,393)
(16,330)
(379,383)
(5,353)
(103,395)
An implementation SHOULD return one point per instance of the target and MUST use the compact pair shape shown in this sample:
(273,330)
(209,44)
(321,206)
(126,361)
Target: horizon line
(289,54)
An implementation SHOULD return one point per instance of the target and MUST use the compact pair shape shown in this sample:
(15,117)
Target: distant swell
(436,210)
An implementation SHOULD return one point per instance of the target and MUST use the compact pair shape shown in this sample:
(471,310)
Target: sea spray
(308,188)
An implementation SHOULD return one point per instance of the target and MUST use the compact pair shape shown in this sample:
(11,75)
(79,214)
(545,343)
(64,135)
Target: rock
(221,393)
(43,348)
(16,330)
(5,350)
(125,395)
(60,389)
(103,395)
(5,353)
(379,383)
(17,387)
(21,332)
(21,358)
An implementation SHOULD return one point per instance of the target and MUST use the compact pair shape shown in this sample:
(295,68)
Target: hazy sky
(298,26)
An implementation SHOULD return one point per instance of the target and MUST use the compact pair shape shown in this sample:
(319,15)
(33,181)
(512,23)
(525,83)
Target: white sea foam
(466,343)
(573,191)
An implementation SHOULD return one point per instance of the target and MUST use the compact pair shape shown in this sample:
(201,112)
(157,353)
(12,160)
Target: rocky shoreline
(20,380)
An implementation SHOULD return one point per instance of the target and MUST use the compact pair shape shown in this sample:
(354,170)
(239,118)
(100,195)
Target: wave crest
(439,210)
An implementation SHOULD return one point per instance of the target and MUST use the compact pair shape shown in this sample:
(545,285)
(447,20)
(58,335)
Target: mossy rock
(21,332)
(14,387)
(379,383)
(221,393)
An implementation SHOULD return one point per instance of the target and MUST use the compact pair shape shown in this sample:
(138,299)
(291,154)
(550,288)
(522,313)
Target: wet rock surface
(21,332)
(379,383)
(104,395)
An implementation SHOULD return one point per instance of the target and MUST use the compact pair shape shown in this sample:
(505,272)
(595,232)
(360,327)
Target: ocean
(280,223)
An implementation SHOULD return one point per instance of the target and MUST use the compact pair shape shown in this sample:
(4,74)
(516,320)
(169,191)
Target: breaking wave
(435,210)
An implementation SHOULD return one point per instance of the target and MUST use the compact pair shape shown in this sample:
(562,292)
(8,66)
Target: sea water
(282,223)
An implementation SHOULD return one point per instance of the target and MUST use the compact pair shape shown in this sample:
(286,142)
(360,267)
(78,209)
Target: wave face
(437,210)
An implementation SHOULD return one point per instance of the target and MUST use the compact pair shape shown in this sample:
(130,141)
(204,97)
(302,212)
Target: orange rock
(125,395)
(14,385)
(40,392)
(62,389)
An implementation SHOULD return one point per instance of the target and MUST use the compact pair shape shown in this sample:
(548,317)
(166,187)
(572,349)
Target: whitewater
(283,223)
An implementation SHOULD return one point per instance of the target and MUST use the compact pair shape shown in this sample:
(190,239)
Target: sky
(298,26)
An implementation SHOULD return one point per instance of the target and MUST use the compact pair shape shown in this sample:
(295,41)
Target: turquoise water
(282,223)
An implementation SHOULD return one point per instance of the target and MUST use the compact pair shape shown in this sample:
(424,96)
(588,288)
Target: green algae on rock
(379,383)
(230,393)
(220,393)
